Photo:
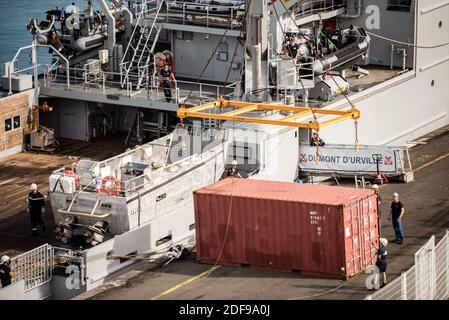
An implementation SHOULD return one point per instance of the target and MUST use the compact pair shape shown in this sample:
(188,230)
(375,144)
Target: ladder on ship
(137,62)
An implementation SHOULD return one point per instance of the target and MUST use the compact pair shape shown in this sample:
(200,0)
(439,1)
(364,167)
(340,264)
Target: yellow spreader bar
(240,108)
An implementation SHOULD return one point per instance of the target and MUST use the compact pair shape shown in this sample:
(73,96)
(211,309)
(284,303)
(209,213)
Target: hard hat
(4,259)
(395,194)
(375,186)
(384,242)
(234,162)
(33,186)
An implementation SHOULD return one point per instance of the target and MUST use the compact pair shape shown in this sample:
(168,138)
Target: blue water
(15,16)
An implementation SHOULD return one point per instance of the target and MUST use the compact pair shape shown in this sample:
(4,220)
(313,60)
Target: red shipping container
(310,229)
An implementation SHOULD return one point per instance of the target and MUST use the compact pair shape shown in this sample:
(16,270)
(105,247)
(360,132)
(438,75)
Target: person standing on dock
(381,262)
(36,206)
(379,199)
(5,271)
(166,78)
(397,212)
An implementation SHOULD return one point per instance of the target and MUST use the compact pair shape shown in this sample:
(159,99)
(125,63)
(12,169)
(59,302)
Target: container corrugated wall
(311,229)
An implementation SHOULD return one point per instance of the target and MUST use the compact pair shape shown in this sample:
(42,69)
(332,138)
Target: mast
(256,56)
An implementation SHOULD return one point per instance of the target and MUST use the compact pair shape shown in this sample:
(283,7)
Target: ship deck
(426,201)
(112,92)
(358,84)
(18,171)
(188,91)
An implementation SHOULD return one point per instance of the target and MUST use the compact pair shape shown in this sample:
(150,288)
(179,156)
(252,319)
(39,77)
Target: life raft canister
(116,186)
(73,174)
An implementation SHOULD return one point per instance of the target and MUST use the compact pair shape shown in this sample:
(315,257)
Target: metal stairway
(137,63)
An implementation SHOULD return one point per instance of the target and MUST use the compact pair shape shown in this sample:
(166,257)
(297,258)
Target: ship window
(192,227)
(440,24)
(16,122)
(8,125)
(432,83)
(242,152)
(12,123)
(223,52)
(179,35)
(399,5)
(161,197)
(184,35)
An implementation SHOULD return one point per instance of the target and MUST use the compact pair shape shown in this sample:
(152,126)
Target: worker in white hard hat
(5,271)
(315,140)
(36,206)
(381,262)
(233,171)
(376,191)
(397,212)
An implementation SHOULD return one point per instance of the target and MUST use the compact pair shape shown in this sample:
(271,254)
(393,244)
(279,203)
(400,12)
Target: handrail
(162,169)
(79,76)
(207,11)
(153,27)
(332,6)
(41,258)
(132,35)
(31,47)
(85,215)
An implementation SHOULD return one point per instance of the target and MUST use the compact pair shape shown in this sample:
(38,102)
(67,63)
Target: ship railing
(41,68)
(11,64)
(398,5)
(145,7)
(13,69)
(35,267)
(204,14)
(5,67)
(427,279)
(318,6)
(132,185)
(105,82)
(142,10)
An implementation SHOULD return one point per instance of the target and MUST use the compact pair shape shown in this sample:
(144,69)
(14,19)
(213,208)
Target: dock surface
(19,171)
(427,213)
(426,201)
